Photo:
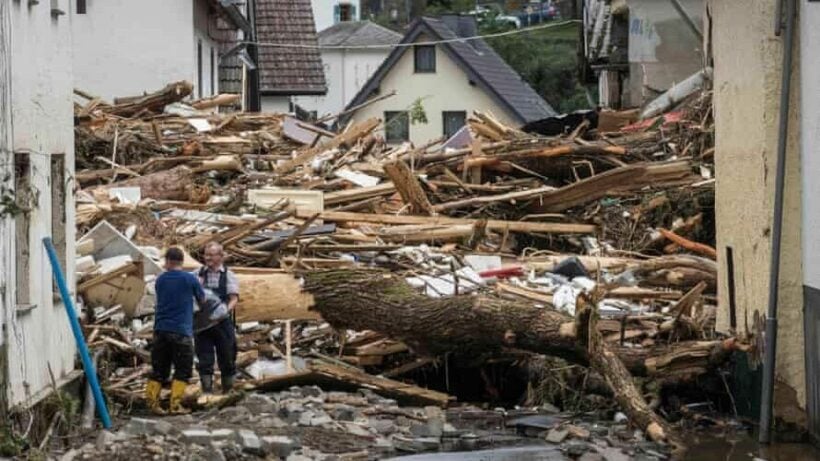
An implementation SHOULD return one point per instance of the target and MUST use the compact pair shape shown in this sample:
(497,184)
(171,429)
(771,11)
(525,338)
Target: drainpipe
(254,100)
(770,338)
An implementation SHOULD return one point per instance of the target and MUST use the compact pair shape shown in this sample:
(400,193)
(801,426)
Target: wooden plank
(483,200)
(492,224)
(409,188)
(128,268)
(527,293)
(359,193)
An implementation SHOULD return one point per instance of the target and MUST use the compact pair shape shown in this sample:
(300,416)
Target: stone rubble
(306,423)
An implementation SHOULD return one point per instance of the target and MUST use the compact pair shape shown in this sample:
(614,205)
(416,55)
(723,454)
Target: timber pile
(491,241)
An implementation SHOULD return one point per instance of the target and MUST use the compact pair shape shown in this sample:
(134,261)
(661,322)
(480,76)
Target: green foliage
(417,113)
(436,7)
(10,443)
(546,59)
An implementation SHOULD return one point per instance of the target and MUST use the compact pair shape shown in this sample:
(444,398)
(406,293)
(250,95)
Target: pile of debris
(362,263)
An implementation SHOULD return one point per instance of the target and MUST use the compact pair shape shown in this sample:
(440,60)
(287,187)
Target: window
(213,72)
(453,121)
(396,127)
(22,226)
(81,7)
(425,58)
(58,196)
(199,67)
(344,12)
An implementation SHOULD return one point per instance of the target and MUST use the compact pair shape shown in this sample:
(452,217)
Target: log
(409,188)
(153,102)
(174,184)
(272,296)
(696,247)
(492,224)
(372,299)
(224,99)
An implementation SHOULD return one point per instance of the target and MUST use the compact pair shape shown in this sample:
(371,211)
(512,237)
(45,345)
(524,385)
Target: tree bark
(174,184)
(409,188)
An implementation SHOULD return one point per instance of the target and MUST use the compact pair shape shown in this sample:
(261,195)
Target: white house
(127,47)
(289,62)
(37,149)
(450,79)
(347,65)
(329,12)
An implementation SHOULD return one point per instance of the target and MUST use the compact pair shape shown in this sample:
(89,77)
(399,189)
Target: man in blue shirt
(173,342)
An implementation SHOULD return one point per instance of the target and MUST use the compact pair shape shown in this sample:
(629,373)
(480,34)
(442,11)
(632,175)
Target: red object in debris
(671,117)
(503,272)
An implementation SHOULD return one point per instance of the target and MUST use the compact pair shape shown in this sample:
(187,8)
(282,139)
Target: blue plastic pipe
(88,365)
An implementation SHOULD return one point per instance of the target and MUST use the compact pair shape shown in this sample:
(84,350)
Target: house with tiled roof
(289,62)
(351,53)
(449,76)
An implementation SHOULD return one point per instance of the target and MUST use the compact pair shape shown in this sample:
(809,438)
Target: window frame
(82,7)
(444,114)
(390,117)
(416,50)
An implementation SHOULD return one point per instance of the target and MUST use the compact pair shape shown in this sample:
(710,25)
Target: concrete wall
(346,72)
(42,117)
(747,59)
(127,47)
(662,49)
(323,12)
(448,89)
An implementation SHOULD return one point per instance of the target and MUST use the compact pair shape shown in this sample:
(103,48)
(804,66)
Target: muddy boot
(206,382)
(227,384)
(177,392)
(152,393)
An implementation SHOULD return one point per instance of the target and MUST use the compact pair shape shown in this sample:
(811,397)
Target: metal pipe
(770,338)
(687,19)
(88,366)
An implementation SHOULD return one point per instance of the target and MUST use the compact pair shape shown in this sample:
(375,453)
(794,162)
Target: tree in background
(546,59)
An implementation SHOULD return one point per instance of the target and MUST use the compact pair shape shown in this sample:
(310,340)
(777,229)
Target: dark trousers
(217,342)
(171,349)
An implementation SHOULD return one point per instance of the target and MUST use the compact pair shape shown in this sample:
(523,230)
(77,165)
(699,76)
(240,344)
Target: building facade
(354,51)
(447,81)
(126,48)
(327,13)
(37,148)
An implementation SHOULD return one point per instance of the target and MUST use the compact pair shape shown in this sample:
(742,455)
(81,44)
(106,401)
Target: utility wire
(407,45)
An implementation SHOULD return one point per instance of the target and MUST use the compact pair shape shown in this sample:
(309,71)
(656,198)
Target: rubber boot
(206,382)
(152,392)
(177,392)
(227,384)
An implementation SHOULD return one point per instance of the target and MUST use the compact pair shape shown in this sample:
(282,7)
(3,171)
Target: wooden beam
(409,188)
(492,224)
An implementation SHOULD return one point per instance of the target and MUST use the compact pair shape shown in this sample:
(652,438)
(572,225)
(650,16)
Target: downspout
(770,338)
(254,101)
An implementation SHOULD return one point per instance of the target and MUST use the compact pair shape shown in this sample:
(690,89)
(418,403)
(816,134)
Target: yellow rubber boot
(152,393)
(177,393)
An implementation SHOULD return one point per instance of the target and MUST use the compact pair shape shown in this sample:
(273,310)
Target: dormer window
(344,12)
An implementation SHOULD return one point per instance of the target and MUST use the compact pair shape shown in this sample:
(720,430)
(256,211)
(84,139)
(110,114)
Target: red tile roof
(288,70)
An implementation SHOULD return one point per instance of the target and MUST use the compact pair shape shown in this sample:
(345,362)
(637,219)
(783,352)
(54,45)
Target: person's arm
(198,292)
(233,290)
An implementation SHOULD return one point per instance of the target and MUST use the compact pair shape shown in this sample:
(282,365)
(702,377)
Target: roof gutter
(229,9)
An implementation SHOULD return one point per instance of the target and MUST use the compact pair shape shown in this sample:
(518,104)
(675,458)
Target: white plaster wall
(748,60)
(448,89)
(346,72)
(42,114)
(278,104)
(127,47)
(323,12)
(203,25)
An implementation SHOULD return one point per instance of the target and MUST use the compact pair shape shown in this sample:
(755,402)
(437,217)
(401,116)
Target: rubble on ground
(622,214)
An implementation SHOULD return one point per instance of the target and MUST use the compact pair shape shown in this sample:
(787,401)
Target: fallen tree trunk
(153,102)
(368,299)
(174,184)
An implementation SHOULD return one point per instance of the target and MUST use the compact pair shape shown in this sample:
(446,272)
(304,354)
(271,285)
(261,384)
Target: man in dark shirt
(173,332)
